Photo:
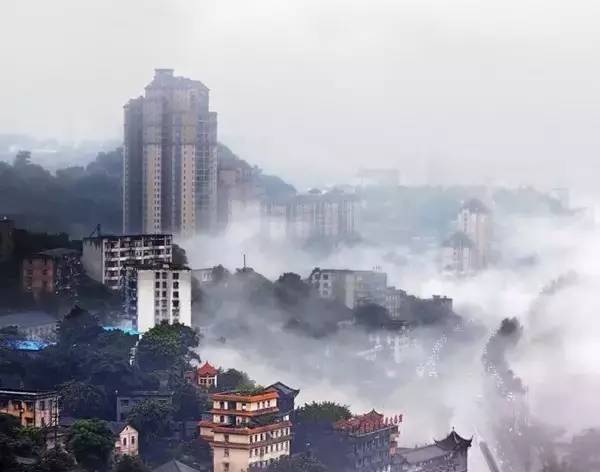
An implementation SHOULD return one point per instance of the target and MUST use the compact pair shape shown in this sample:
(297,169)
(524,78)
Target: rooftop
(174,466)
(25,393)
(367,423)
(450,443)
(58,252)
(284,389)
(207,370)
(116,237)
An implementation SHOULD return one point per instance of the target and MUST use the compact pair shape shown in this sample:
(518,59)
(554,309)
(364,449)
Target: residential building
(127,438)
(7,238)
(239,192)
(55,271)
(33,408)
(458,254)
(203,276)
(474,220)
(352,288)
(247,430)
(170,158)
(448,455)
(155,293)
(105,256)
(32,325)
(323,216)
(363,443)
(126,401)
(329,215)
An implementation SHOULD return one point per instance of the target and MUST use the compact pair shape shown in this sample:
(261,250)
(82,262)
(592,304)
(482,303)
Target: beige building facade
(170,158)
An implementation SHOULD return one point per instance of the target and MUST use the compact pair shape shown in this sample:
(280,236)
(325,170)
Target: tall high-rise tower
(170,158)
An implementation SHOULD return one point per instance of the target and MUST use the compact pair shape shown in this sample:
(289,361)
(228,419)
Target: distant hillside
(74,199)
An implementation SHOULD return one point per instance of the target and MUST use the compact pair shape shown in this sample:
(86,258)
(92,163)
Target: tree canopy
(91,442)
(322,412)
(167,346)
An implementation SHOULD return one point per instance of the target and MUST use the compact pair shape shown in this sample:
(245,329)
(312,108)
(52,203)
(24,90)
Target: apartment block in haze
(247,430)
(55,271)
(33,408)
(157,292)
(104,257)
(7,238)
(170,158)
(350,287)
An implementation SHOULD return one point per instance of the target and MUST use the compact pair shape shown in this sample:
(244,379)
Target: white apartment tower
(170,158)
(474,220)
(157,293)
(103,257)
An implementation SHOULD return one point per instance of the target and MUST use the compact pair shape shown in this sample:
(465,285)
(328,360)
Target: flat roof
(26,393)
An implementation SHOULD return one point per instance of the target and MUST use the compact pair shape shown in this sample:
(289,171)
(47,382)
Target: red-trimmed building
(204,376)
(362,443)
(247,430)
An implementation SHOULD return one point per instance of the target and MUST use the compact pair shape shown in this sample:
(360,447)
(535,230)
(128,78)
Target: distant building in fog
(316,215)
(239,194)
(104,256)
(7,238)
(170,158)
(350,287)
(468,249)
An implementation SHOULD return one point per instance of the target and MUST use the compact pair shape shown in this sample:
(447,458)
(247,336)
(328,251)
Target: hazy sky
(465,90)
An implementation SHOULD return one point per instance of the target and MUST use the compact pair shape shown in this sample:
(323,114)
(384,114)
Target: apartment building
(55,271)
(247,430)
(474,221)
(350,287)
(126,401)
(170,158)
(155,293)
(33,408)
(104,257)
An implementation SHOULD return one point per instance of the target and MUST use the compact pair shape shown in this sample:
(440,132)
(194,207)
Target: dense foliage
(326,411)
(297,463)
(167,346)
(91,442)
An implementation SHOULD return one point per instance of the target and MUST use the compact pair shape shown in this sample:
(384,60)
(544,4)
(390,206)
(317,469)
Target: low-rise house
(204,376)
(33,408)
(126,401)
(127,438)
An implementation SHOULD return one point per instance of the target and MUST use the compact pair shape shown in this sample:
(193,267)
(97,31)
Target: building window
(132,440)
(225,466)
(175,294)
(124,441)
(226,452)
(175,275)
(175,284)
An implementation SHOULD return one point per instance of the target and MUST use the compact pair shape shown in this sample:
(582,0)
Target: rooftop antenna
(244,261)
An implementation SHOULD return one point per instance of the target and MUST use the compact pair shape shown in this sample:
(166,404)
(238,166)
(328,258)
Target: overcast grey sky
(464,90)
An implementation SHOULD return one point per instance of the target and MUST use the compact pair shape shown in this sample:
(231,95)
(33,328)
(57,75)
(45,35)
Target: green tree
(91,442)
(152,420)
(9,428)
(322,412)
(233,379)
(55,460)
(83,400)
(297,463)
(187,402)
(372,316)
(130,464)
(78,327)
(167,346)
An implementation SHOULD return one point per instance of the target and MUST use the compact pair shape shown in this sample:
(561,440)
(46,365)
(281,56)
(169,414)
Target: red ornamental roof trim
(207,370)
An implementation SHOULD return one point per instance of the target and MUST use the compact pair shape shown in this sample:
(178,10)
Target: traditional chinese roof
(207,370)
(366,423)
(453,442)
(118,426)
(284,389)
